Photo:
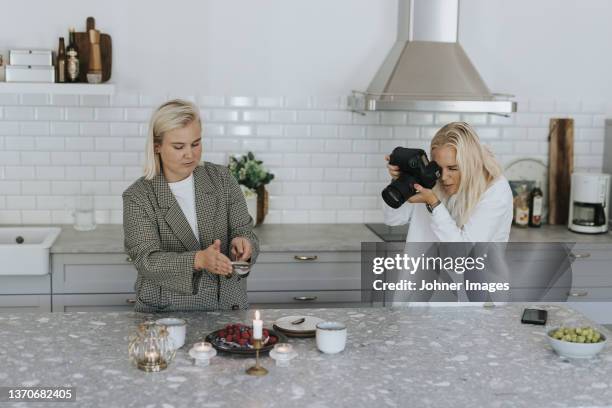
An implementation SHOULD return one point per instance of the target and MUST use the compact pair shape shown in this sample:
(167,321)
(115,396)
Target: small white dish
(575,350)
(309,324)
(282,353)
(177,329)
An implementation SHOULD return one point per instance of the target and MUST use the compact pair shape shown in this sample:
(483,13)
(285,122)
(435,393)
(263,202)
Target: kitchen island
(464,356)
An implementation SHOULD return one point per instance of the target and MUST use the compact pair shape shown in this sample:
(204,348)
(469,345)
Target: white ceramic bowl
(576,350)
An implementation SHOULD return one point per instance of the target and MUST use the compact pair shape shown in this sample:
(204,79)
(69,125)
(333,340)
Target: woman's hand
(213,260)
(241,249)
(425,196)
(394,171)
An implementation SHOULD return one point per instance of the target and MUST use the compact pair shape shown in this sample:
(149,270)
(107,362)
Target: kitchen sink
(25,250)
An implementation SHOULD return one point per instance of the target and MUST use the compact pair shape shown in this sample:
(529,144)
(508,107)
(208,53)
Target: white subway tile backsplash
(10,187)
(297,102)
(35,158)
(95,100)
(9,99)
(10,217)
(269,102)
(137,114)
(338,117)
(62,217)
(110,144)
(328,162)
(49,144)
(79,114)
(256,116)
(64,100)
(65,188)
(296,131)
(36,217)
(18,113)
(324,131)
(239,130)
(125,99)
(9,128)
(19,143)
(225,115)
(322,217)
(34,188)
(20,202)
(109,114)
(241,101)
(49,113)
(94,129)
(310,116)
(351,160)
(64,128)
(393,118)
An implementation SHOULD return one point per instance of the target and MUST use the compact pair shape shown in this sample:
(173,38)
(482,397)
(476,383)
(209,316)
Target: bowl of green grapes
(577,342)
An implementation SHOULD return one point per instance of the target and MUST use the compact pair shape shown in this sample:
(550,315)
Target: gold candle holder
(257,369)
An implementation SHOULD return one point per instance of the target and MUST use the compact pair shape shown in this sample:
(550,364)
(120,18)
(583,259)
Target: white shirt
(490,221)
(184,193)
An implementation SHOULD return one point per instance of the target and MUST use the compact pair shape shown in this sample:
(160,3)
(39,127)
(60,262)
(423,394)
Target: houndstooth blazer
(162,245)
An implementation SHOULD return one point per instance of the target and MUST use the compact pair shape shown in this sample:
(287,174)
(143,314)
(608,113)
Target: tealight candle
(202,353)
(152,356)
(257,326)
(283,353)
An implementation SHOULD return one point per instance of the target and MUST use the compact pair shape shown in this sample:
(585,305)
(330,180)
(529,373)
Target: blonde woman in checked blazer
(183,221)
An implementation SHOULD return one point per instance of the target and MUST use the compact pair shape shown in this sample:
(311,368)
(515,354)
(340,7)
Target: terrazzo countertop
(464,356)
(272,237)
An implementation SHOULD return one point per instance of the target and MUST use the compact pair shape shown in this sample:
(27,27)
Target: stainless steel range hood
(427,69)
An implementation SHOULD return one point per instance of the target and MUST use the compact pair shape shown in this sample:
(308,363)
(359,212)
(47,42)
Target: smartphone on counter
(534,316)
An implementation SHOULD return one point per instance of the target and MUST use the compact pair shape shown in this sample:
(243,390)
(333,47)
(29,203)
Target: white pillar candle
(257,326)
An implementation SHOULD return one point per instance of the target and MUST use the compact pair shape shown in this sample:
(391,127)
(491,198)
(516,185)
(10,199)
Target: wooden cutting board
(560,168)
(106,49)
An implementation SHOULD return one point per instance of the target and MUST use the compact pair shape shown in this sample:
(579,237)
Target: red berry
(229,338)
(246,335)
(222,333)
(242,342)
(266,332)
(272,340)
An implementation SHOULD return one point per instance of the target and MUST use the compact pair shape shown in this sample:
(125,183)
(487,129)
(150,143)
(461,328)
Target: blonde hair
(477,164)
(174,114)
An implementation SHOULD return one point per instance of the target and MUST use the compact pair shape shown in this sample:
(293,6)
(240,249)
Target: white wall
(271,76)
(543,48)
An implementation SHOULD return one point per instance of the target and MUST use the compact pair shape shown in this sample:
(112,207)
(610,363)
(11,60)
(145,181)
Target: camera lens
(393,197)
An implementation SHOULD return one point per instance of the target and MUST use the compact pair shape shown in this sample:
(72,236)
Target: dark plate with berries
(238,339)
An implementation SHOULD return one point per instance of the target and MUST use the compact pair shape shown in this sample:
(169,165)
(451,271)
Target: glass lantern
(151,348)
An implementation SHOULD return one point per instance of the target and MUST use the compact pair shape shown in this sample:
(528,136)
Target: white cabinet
(312,279)
(591,291)
(25,293)
(92,282)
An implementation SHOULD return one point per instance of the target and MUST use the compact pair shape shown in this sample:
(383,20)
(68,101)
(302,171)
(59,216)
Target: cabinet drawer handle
(305,257)
(580,256)
(128,259)
(130,301)
(305,298)
(578,294)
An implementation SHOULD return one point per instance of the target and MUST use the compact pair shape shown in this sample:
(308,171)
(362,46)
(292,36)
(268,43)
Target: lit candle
(257,326)
(283,348)
(202,347)
(152,356)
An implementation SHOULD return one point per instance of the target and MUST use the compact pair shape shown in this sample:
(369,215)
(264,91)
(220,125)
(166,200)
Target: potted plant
(252,177)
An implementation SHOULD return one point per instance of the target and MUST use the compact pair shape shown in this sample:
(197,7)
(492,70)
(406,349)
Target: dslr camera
(415,168)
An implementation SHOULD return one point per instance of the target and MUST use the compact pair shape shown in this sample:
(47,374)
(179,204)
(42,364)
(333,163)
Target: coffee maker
(588,210)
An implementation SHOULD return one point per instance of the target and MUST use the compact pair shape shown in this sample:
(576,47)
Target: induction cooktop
(389,234)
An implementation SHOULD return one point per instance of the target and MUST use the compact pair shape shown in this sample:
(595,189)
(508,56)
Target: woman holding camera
(183,221)
(472,200)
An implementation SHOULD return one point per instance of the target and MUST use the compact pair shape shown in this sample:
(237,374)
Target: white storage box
(30,57)
(20,73)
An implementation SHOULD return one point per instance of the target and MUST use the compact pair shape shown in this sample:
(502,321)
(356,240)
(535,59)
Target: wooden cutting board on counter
(106,49)
(560,168)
